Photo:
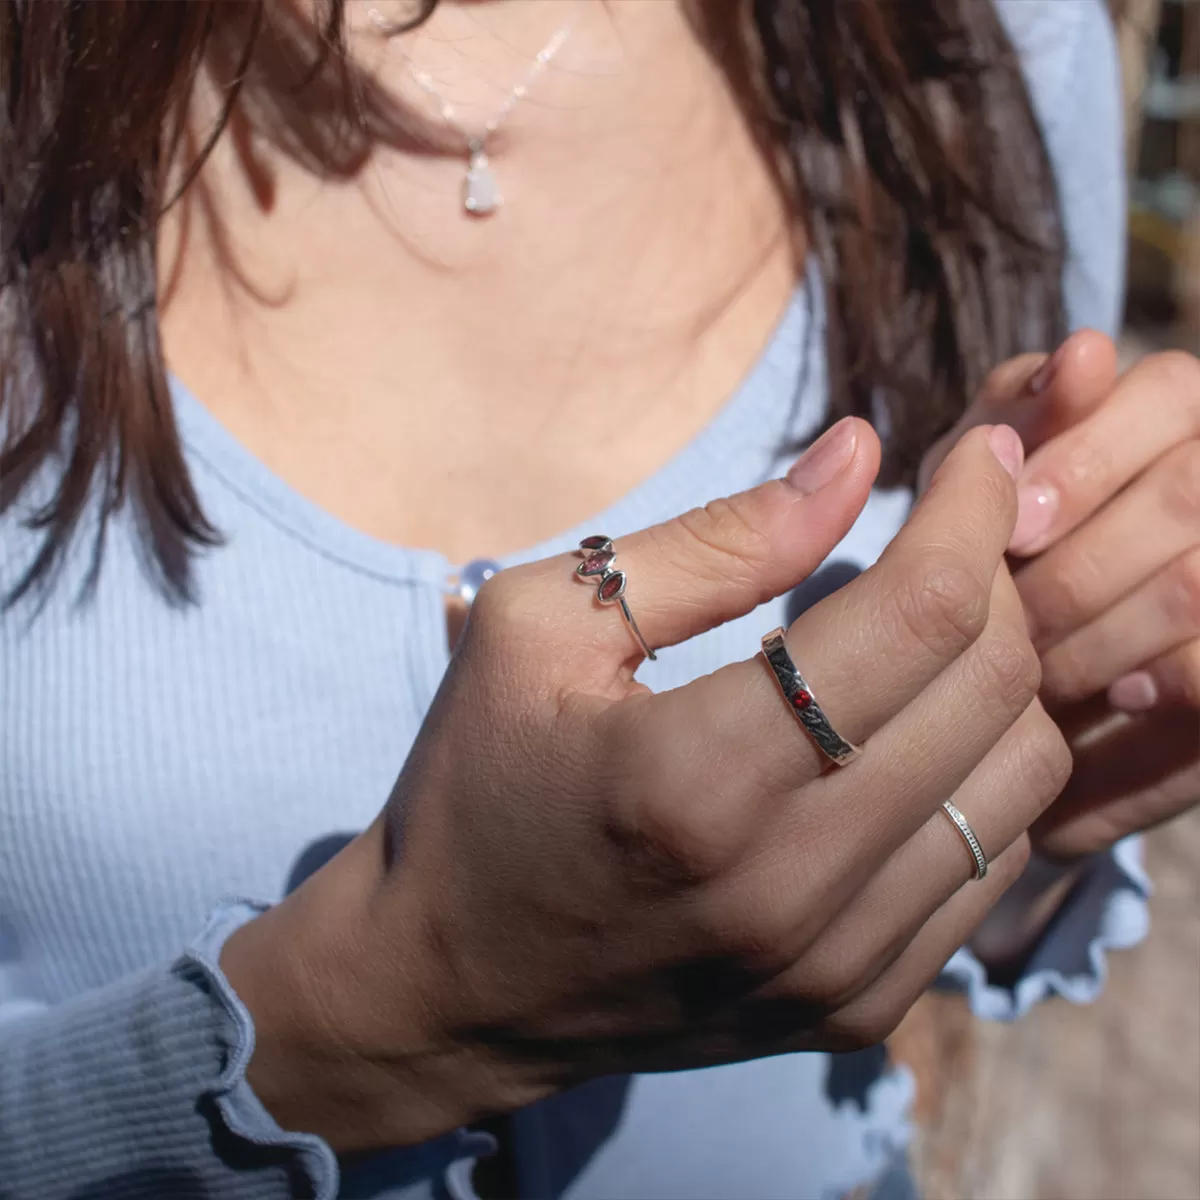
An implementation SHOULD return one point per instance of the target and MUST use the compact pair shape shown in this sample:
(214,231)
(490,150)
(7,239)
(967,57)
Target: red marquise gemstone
(612,587)
(802,699)
(598,542)
(596,564)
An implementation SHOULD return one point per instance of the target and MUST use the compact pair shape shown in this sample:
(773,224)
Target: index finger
(1039,395)
(1154,406)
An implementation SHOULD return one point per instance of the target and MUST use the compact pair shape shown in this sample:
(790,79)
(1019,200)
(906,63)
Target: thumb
(1039,395)
(715,563)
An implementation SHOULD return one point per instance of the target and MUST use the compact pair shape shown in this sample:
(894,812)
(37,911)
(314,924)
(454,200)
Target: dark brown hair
(901,131)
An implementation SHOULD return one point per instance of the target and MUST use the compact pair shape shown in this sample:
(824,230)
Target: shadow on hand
(821,584)
(315,855)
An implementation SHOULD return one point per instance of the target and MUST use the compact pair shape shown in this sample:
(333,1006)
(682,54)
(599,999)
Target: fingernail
(1134,693)
(1043,377)
(1007,446)
(1037,506)
(825,459)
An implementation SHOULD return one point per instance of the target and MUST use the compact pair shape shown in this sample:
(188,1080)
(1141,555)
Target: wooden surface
(1093,1103)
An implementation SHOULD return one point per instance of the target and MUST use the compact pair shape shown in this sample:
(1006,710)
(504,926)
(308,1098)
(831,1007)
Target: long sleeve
(138,1090)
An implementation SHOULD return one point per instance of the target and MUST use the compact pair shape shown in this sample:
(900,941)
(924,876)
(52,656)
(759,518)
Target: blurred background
(1160,50)
(1103,1102)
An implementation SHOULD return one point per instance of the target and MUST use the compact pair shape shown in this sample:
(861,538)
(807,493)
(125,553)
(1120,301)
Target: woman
(288,292)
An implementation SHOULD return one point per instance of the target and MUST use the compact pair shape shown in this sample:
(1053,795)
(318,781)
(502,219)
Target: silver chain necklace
(481,193)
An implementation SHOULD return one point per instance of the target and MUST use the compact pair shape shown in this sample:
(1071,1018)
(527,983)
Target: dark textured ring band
(803,703)
(598,559)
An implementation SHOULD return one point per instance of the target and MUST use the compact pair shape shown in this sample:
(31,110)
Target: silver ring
(803,703)
(968,835)
(598,558)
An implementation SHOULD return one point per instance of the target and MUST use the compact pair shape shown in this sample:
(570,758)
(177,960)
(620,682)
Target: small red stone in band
(596,542)
(801,700)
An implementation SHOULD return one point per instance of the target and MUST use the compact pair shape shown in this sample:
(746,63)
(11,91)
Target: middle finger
(1001,799)
(852,821)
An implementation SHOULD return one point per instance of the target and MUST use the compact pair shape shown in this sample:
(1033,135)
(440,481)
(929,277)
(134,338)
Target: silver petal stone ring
(598,559)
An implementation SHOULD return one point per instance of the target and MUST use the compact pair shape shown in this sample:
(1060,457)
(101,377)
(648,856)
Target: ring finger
(1013,785)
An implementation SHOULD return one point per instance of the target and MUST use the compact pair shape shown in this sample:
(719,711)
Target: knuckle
(679,829)
(499,603)
(1176,375)
(756,934)
(1087,461)
(1068,675)
(727,539)
(1183,594)
(944,606)
(846,975)
(1065,589)
(872,1020)
(1048,760)
(1013,862)
(1182,482)
(1009,670)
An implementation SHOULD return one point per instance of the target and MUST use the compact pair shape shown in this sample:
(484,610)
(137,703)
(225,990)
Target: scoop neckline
(752,406)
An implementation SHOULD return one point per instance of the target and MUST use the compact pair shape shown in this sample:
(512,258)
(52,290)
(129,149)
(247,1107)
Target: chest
(154,760)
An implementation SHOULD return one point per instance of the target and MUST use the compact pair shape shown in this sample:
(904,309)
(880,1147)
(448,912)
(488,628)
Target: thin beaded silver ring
(968,836)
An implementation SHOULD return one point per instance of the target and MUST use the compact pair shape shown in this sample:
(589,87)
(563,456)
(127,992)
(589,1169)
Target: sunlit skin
(637,268)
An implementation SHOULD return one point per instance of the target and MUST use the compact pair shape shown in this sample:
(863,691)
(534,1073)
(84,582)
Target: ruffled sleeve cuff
(1107,910)
(236,1104)
(440,1167)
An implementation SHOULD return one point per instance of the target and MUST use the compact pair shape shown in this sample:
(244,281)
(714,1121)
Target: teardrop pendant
(481,192)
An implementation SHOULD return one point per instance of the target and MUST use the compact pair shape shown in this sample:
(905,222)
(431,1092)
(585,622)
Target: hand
(1106,541)
(576,877)
(1111,586)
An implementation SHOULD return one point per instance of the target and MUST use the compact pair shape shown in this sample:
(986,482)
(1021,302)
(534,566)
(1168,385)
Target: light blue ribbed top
(156,761)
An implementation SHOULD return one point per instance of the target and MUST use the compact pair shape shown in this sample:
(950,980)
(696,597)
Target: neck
(642,255)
